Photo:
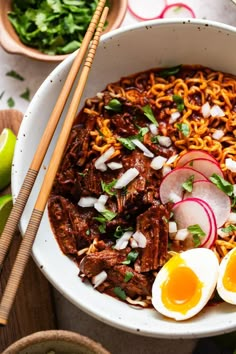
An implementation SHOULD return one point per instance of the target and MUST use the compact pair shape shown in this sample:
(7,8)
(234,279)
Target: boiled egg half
(185,283)
(226,285)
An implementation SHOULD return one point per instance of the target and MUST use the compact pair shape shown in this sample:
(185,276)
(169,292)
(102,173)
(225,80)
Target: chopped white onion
(87,202)
(153,129)
(126,178)
(158,162)
(216,111)
(181,235)
(206,110)
(100,95)
(100,207)
(174,116)
(103,199)
(100,162)
(218,134)
(171,159)
(133,243)
(222,234)
(142,147)
(99,278)
(175,198)
(172,227)
(140,238)
(164,141)
(166,169)
(230,164)
(122,242)
(114,165)
(232,218)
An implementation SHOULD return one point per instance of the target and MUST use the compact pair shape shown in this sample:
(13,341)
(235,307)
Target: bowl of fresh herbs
(49,30)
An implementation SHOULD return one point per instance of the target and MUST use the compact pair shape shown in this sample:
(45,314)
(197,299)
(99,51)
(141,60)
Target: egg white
(226,295)
(204,263)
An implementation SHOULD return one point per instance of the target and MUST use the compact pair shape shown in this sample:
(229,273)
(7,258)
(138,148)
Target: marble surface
(70,317)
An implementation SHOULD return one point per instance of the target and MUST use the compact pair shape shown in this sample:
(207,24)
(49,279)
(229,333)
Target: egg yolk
(229,278)
(182,289)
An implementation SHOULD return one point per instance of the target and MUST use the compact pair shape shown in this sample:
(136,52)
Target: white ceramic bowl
(128,50)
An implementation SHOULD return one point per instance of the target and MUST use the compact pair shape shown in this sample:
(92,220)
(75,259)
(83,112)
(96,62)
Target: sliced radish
(190,212)
(192,155)
(217,200)
(211,240)
(205,166)
(172,182)
(177,10)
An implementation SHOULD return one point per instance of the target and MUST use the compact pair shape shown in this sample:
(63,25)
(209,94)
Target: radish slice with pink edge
(192,155)
(138,9)
(218,200)
(172,183)
(190,212)
(177,10)
(205,166)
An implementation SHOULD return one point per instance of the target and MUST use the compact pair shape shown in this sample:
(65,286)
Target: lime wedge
(5,209)
(7,145)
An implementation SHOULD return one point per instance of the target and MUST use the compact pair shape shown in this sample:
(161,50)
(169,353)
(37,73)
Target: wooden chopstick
(19,205)
(37,214)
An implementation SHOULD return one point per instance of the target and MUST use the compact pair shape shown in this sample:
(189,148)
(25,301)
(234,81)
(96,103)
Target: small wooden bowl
(10,41)
(55,341)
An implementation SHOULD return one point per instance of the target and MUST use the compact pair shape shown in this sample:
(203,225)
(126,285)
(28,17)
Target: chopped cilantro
(128,276)
(26,94)
(222,184)
(10,102)
(131,257)
(15,75)
(184,128)
(229,228)
(102,226)
(170,71)
(120,231)
(179,102)
(120,293)
(114,105)
(149,114)
(154,139)
(108,187)
(108,215)
(197,233)
(188,184)
(128,143)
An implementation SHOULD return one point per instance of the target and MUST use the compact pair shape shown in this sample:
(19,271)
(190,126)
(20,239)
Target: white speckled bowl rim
(124,51)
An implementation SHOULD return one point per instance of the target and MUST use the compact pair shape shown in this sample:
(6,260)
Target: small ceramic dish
(10,41)
(55,342)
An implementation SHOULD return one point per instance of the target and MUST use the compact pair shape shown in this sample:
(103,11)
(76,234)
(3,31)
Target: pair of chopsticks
(96,26)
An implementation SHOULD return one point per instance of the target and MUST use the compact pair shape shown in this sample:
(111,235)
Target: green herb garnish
(179,102)
(120,293)
(128,143)
(10,102)
(26,95)
(102,226)
(15,75)
(114,105)
(229,229)
(149,114)
(131,257)
(108,187)
(188,184)
(120,231)
(108,215)
(197,233)
(170,71)
(222,184)
(128,276)
(184,128)
(88,232)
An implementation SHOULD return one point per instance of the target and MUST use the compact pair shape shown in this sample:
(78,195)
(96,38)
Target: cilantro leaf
(114,105)
(109,215)
(197,233)
(131,257)
(149,114)
(188,184)
(120,231)
(108,187)
(15,75)
(128,276)
(184,128)
(127,143)
(26,95)
(229,228)
(10,102)
(120,293)
(222,184)
(170,71)
(179,102)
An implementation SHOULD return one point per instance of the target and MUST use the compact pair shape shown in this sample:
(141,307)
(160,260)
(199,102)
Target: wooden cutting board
(33,309)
